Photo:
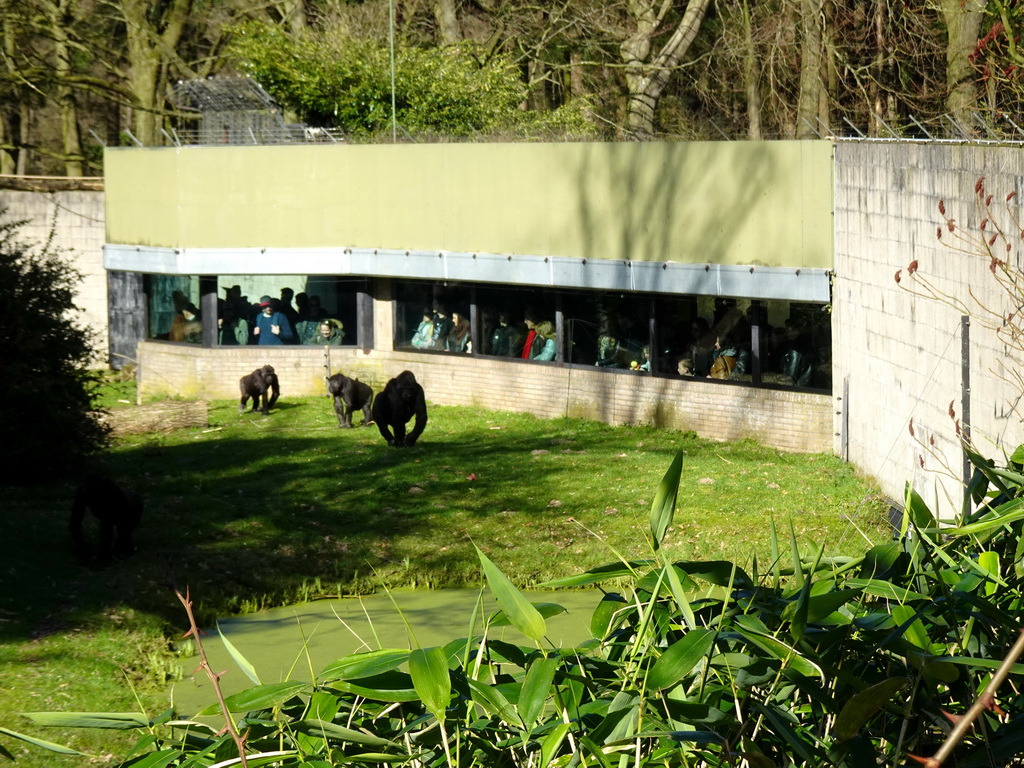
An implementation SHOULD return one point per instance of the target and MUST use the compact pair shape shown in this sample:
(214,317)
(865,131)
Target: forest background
(79,75)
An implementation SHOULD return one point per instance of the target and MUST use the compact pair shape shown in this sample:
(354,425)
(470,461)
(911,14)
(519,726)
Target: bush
(46,423)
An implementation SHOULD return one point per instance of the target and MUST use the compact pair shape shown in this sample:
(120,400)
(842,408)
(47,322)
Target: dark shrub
(46,422)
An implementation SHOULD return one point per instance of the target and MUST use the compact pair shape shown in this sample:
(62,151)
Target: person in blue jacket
(272,327)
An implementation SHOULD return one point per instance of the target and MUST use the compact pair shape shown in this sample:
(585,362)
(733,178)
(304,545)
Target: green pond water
(297,642)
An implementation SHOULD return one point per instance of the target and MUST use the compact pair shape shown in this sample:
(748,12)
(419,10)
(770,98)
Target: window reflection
(773,343)
(174,308)
(777,343)
(317,310)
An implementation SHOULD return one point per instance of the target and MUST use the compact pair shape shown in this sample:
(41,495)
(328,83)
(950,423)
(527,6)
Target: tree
(332,77)
(648,70)
(46,421)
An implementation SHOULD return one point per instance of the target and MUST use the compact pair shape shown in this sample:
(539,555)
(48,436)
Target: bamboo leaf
(682,602)
(721,573)
(243,664)
(607,614)
(549,747)
(752,632)
(616,570)
(916,511)
(967,661)
(359,665)
(47,745)
(620,720)
(390,686)
(428,668)
(159,759)
(119,721)
(536,688)
(794,551)
(886,589)
(989,563)
(782,723)
(519,610)
(492,700)
(914,630)
(1008,513)
(664,505)
(863,705)
(264,696)
(546,610)
(821,606)
(375,758)
(328,730)
(680,658)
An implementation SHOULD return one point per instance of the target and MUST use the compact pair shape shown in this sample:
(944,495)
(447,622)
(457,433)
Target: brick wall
(900,354)
(80,233)
(789,421)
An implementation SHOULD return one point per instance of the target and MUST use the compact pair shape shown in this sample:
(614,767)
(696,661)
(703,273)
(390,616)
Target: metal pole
(965,390)
(391,46)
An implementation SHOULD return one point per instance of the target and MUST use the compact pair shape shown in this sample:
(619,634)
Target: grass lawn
(255,512)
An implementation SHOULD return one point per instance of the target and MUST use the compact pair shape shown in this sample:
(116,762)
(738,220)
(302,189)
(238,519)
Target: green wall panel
(764,203)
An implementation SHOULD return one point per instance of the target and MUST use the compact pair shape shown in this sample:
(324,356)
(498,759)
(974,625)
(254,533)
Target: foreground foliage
(820,661)
(46,424)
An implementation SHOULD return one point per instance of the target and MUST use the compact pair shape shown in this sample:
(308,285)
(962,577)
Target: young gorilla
(117,510)
(401,399)
(257,385)
(349,395)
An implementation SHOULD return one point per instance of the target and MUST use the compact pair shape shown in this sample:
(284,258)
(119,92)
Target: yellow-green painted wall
(765,203)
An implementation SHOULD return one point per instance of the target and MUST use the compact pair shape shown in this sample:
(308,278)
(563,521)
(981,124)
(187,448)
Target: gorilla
(257,385)
(117,510)
(401,399)
(349,395)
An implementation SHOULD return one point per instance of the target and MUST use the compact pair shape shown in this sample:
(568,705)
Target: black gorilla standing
(349,395)
(117,510)
(401,399)
(258,385)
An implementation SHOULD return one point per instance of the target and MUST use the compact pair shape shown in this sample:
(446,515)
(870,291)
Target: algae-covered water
(297,642)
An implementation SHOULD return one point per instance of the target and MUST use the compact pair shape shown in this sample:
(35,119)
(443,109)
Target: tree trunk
(646,78)
(61,19)
(151,47)
(963,21)
(751,73)
(448,30)
(9,116)
(812,83)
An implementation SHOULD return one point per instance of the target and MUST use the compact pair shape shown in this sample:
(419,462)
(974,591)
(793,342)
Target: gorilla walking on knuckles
(401,399)
(258,385)
(349,395)
(117,510)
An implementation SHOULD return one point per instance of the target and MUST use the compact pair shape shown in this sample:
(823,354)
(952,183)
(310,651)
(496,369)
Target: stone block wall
(899,355)
(789,421)
(77,216)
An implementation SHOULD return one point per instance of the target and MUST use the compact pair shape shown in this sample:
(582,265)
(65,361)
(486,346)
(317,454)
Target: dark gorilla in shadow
(258,385)
(349,396)
(401,399)
(117,510)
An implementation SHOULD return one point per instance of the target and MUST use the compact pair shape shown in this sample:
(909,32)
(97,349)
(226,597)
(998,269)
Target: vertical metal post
(364,319)
(757,323)
(844,421)
(560,332)
(965,390)
(209,309)
(391,48)
(474,324)
(653,363)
